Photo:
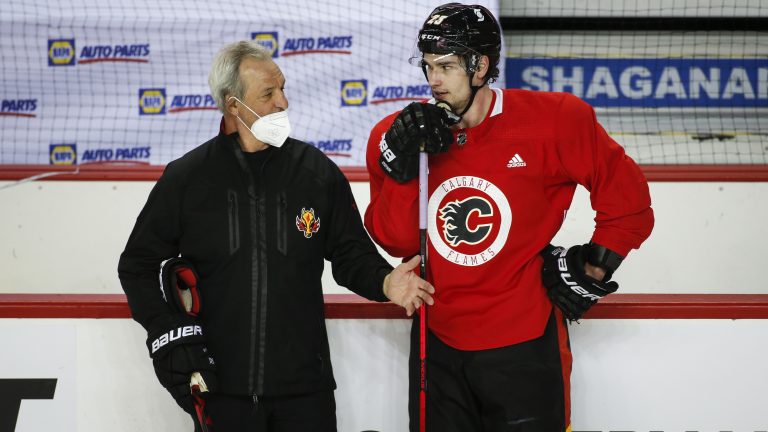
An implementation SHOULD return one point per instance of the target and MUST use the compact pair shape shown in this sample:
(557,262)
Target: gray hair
(224,78)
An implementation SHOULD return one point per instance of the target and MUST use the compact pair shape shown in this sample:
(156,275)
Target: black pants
(314,412)
(521,388)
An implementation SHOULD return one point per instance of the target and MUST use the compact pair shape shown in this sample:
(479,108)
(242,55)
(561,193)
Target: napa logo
(63,154)
(339,147)
(140,154)
(192,102)
(384,94)
(354,93)
(334,44)
(18,107)
(152,101)
(61,52)
(268,40)
(121,53)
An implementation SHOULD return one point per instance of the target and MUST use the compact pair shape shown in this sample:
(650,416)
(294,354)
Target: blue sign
(647,82)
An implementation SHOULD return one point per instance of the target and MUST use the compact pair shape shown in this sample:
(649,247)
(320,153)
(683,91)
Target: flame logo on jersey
(307,223)
(456,215)
(468,220)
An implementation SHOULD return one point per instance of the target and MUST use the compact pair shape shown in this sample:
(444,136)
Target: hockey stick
(179,283)
(450,120)
(423,273)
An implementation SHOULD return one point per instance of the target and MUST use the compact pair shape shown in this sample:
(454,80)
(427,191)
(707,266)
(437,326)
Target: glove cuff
(601,256)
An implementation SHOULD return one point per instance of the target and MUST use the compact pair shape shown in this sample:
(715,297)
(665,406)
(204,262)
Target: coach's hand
(568,285)
(177,347)
(404,288)
(417,127)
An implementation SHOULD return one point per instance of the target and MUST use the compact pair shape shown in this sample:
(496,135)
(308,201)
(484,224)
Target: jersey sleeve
(618,189)
(392,216)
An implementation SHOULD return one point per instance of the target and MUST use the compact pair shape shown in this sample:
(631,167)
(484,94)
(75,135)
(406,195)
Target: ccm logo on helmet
(564,275)
(175,334)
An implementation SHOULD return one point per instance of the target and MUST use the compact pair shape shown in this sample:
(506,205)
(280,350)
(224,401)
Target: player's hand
(417,127)
(568,284)
(404,288)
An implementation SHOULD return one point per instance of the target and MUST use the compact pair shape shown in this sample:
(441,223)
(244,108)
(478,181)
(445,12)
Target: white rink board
(629,375)
(79,229)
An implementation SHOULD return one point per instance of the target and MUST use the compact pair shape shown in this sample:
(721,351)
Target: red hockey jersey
(496,201)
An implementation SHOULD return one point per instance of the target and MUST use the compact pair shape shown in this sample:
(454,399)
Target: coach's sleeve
(355,261)
(154,239)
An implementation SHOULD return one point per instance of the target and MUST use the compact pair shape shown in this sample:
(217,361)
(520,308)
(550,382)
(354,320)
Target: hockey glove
(178,280)
(568,286)
(417,127)
(177,347)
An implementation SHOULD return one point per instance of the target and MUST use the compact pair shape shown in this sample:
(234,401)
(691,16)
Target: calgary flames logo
(456,216)
(307,223)
(469,220)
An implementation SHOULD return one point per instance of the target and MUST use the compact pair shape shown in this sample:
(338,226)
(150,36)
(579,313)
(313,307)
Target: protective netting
(676,82)
(112,81)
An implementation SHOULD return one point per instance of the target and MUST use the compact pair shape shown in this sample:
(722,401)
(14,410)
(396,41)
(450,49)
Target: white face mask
(272,129)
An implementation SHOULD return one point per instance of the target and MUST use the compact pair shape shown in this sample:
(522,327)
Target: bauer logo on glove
(562,265)
(568,286)
(175,334)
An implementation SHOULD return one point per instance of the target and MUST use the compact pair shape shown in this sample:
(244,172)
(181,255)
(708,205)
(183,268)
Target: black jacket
(259,268)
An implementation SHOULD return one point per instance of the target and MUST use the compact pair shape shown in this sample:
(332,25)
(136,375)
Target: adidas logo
(516,162)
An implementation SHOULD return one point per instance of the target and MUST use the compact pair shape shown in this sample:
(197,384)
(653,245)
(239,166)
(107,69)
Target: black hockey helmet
(465,30)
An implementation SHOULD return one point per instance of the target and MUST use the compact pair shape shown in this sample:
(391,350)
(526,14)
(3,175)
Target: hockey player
(503,168)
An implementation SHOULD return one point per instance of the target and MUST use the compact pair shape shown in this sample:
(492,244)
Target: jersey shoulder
(542,99)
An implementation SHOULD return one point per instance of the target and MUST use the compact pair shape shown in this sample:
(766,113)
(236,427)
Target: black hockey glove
(418,125)
(177,347)
(568,286)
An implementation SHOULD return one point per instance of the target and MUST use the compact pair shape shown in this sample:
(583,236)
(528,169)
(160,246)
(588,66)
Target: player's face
(264,89)
(448,79)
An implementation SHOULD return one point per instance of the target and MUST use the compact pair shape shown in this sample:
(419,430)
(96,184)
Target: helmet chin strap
(471,74)
(474,89)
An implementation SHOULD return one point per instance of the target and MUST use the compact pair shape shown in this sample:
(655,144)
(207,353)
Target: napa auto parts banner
(129,85)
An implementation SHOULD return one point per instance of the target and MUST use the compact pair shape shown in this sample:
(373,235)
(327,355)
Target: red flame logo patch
(307,223)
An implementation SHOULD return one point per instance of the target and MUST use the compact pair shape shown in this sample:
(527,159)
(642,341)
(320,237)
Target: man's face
(448,79)
(264,89)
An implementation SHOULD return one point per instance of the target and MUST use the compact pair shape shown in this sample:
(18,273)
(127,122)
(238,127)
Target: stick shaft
(423,185)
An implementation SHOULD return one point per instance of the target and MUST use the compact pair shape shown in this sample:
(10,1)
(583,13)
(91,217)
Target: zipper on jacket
(258,230)
(261,287)
(256,334)
(234,222)
(282,218)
